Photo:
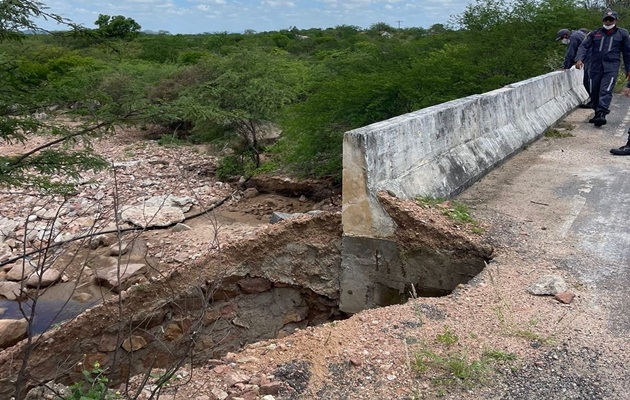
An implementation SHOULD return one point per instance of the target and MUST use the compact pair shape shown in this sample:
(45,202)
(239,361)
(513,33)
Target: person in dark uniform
(573,40)
(602,48)
(625,149)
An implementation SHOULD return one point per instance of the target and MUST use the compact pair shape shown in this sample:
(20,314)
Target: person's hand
(579,64)
(626,91)
(628,75)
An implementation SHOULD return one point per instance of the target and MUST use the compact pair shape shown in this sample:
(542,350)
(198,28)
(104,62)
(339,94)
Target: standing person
(625,149)
(573,40)
(603,48)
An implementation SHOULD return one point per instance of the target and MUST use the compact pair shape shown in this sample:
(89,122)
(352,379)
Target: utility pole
(399,21)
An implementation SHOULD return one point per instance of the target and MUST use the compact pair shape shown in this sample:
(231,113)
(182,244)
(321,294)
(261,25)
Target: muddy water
(54,306)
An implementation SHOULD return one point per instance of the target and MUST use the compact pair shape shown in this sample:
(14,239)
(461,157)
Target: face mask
(607,27)
(565,41)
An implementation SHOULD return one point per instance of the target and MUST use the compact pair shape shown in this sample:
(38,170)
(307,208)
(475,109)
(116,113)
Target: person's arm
(583,51)
(625,52)
(571,54)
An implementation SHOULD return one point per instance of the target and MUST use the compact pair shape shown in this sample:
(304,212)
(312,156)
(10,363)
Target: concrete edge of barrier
(441,150)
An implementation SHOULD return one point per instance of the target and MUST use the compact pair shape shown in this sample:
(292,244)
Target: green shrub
(447,338)
(230,167)
(93,387)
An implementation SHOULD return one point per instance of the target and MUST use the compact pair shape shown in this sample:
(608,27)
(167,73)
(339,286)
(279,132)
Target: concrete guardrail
(438,152)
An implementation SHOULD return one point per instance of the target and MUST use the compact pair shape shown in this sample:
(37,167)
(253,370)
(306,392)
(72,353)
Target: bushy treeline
(313,84)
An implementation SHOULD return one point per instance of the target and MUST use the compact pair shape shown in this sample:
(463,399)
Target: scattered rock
(119,249)
(11,290)
(356,361)
(128,274)
(173,332)
(20,272)
(134,343)
(49,277)
(152,216)
(12,331)
(565,297)
(548,285)
(169,200)
(218,394)
(250,193)
(49,391)
(179,227)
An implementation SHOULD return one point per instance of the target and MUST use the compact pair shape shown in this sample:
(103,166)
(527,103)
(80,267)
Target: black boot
(623,150)
(586,105)
(592,120)
(600,119)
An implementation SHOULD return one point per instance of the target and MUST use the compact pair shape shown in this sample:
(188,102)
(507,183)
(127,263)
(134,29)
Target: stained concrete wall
(437,152)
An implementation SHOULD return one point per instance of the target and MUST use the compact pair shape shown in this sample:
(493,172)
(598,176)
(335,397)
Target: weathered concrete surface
(438,152)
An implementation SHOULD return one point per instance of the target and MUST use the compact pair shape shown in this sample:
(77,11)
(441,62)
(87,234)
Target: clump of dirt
(315,190)
(432,227)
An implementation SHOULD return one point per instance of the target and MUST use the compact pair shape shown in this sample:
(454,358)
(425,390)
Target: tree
(381,27)
(242,93)
(22,107)
(117,27)
(17,16)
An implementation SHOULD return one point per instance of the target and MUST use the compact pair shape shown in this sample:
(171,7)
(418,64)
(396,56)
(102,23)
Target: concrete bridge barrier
(435,152)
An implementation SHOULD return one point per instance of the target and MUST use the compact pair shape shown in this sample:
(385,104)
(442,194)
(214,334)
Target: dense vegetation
(313,84)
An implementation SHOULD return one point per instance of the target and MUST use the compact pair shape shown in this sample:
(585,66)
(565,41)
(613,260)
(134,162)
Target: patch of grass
(498,355)
(477,230)
(229,167)
(531,336)
(465,370)
(459,212)
(456,370)
(453,369)
(510,328)
(454,210)
(447,338)
(429,201)
(558,133)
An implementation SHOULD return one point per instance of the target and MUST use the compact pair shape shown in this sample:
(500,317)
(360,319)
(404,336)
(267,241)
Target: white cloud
(272,3)
(195,16)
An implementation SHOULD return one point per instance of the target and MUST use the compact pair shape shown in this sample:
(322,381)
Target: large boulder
(152,216)
(128,274)
(12,331)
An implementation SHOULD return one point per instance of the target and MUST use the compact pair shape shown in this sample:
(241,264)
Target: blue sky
(198,16)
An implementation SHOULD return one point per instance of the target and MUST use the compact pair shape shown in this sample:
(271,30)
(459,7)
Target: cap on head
(610,14)
(562,32)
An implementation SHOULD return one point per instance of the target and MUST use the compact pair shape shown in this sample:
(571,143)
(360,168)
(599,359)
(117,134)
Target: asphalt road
(578,194)
(571,198)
